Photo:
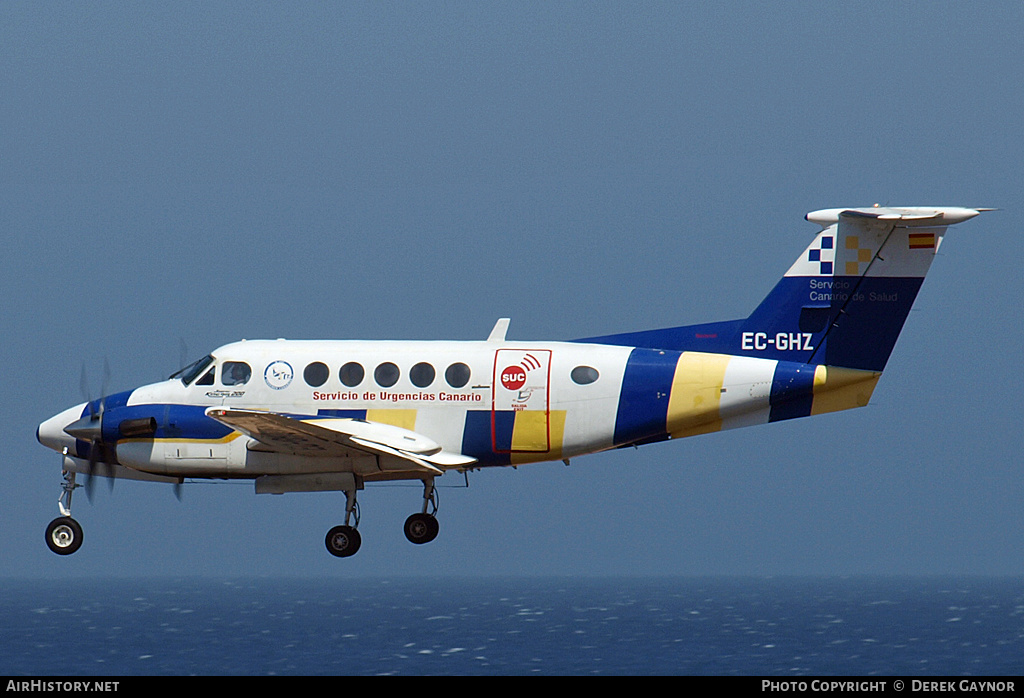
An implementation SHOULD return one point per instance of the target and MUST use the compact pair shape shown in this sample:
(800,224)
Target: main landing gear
(344,541)
(64,534)
(423,527)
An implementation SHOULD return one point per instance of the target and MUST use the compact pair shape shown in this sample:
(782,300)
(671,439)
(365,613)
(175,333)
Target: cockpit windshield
(189,373)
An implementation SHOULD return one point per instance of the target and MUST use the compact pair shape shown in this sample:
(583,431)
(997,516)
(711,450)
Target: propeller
(90,429)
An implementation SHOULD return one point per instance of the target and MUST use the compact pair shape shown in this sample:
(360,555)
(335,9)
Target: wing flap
(340,438)
(281,434)
(387,450)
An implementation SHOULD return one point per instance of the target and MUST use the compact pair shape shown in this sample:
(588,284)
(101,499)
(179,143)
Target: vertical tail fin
(845,300)
(842,303)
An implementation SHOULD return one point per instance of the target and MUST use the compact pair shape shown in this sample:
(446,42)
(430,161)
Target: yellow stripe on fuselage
(180,439)
(532,429)
(838,388)
(696,394)
(406,419)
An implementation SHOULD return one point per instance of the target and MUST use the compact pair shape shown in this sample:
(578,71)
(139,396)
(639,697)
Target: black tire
(343,541)
(64,535)
(421,528)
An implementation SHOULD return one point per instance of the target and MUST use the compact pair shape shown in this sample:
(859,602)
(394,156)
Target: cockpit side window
(235,373)
(207,378)
(189,373)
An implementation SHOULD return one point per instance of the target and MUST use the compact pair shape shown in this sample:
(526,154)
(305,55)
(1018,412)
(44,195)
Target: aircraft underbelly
(174,457)
(233,460)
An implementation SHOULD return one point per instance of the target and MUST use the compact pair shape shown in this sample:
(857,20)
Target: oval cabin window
(457,375)
(351,374)
(316,374)
(421,375)
(386,374)
(584,375)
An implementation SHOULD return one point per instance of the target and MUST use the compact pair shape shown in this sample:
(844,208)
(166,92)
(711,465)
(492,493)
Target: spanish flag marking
(921,241)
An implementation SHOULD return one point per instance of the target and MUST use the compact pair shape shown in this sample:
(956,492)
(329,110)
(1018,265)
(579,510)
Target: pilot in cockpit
(235,373)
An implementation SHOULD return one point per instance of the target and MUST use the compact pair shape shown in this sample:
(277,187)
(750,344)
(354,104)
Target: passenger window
(316,374)
(584,375)
(206,379)
(352,374)
(457,375)
(235,373)
(386,374)
(422,375)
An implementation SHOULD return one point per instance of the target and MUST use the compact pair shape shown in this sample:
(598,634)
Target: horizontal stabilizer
(905,215)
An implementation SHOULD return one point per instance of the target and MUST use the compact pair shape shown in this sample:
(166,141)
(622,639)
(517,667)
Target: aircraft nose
(51,432)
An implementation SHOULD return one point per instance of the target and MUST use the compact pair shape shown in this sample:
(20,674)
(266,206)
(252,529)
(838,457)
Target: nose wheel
(64,535)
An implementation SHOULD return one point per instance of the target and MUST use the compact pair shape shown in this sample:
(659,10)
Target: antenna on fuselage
(499,331)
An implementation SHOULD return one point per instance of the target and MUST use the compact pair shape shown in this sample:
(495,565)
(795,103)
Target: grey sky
(202,172)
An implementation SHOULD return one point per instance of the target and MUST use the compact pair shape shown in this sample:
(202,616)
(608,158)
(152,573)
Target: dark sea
(782,627)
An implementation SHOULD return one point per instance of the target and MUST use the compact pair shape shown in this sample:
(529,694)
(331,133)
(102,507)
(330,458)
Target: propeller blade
(91,429)
(109,468)
(83,385)
(93,448)
(106,383)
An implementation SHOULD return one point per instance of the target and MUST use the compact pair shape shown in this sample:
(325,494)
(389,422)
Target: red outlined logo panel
(521,384)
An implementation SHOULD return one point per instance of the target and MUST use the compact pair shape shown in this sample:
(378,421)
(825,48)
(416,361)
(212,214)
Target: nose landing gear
(64,534)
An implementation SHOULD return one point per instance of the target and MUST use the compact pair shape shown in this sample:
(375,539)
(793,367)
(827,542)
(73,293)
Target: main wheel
(343,541)
(64,535)
(421,528)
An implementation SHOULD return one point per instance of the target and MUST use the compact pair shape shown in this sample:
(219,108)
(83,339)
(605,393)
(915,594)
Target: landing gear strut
(344,541)
(64,534)
(423,527)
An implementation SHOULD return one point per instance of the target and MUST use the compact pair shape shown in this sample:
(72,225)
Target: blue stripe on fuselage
(643,399)
(792,391)
(172,422)
(713,338)
(106,403)
(83,449)
(341,414)
(478,438)
(846,321)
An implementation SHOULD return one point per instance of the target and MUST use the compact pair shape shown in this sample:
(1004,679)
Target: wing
(338,437)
